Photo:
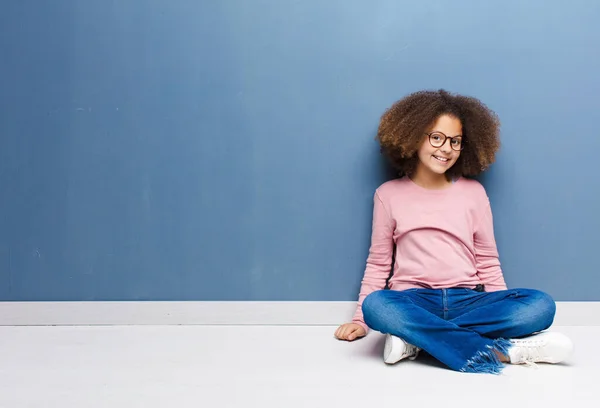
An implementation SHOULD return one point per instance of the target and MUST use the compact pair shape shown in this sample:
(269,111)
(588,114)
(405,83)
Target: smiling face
(436,158)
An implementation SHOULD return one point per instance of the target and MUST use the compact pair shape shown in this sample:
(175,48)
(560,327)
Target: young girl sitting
(447,293)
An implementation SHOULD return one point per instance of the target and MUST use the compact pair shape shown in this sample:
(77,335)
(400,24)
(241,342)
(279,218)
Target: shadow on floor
(424,358)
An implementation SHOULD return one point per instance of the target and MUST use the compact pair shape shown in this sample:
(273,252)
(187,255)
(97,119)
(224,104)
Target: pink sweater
(443,239)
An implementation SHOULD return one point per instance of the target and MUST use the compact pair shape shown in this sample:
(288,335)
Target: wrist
(362,324)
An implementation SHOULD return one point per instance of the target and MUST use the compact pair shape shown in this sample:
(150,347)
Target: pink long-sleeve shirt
(443,239)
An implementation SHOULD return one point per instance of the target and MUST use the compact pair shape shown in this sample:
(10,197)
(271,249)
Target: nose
(446,148)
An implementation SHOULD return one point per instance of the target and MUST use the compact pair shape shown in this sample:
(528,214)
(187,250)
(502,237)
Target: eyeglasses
(438,139)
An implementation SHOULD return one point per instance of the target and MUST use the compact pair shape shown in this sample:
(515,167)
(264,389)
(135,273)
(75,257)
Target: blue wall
(224,150)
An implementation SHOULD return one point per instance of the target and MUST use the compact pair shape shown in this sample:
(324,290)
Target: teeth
(441,159)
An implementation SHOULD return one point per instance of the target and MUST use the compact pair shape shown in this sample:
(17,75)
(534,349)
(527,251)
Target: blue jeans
(462,328)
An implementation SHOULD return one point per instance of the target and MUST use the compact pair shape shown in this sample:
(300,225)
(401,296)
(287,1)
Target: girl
(447,293)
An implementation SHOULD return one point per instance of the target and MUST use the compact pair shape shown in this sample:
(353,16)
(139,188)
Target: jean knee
(383,309)
(372,305)
(539,311)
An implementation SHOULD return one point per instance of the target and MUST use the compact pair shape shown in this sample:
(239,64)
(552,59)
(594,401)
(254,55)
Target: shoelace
(529,351)
(411,351)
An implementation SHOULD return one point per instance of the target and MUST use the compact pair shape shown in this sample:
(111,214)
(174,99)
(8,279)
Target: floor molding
(221,313)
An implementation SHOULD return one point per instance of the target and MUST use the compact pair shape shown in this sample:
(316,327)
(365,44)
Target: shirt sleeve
(486,251)
(379,260)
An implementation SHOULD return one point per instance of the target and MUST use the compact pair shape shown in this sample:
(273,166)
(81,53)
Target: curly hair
(403,126)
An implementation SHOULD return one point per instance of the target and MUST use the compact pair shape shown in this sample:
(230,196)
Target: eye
(456,142)
(437,138)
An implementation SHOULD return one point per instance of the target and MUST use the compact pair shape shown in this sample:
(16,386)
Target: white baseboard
(221,313)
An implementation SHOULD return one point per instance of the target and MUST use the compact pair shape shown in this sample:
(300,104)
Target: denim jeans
(460,327)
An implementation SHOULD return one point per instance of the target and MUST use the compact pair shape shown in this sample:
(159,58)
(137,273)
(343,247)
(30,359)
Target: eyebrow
(437,131)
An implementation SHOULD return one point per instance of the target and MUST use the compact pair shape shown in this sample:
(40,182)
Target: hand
(350,331)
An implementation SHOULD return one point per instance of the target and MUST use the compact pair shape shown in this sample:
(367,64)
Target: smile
(441,159)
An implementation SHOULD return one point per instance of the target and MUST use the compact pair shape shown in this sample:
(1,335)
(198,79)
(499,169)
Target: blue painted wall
(224,150)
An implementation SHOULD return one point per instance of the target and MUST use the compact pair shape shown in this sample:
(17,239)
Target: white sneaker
(397,349)
(546,347)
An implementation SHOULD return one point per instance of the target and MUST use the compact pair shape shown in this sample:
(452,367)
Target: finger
(353,334)
(349,332)
(360,332)
(337,332)
(345,331)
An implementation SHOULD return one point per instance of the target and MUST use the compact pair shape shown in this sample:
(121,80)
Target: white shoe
(546,347)
(397,349)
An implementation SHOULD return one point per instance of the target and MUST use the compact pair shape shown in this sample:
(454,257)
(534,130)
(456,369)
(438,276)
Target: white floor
(266,366)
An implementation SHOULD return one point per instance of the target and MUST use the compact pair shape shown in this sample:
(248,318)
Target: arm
(486,252)
(379,260)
